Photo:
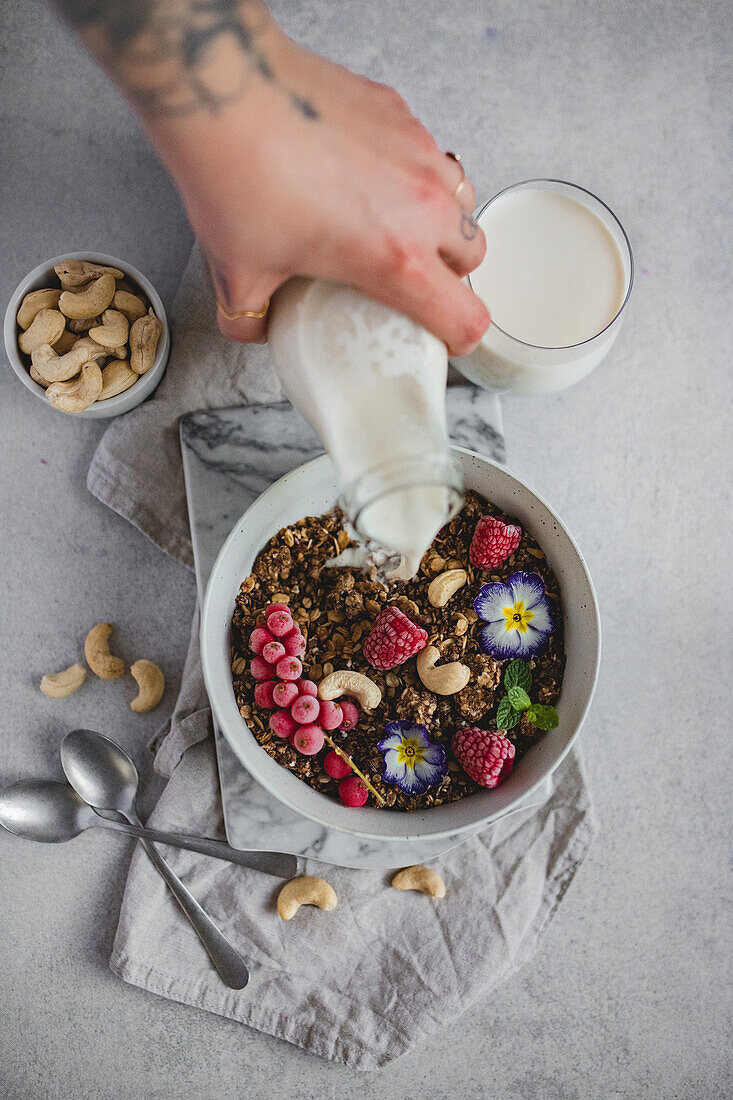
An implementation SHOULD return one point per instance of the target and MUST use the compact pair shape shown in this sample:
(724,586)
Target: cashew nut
(116,378)
(130,304)
(350,683)
(38,378)
(306,890)
(420,878)
(79,327)
(58,368)
(113,330)
(76,273)
(441,679)
(96,651)
(46,328)
(89,302)
(57,685)
(442,587)
(151,683)
(34,302)
(65,342)
(144,336)
(80,393)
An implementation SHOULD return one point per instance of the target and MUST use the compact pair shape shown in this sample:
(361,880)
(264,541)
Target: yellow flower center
(517,617)
(409,752)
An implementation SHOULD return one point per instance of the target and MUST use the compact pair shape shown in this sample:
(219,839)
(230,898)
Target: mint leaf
(506,716)
(545,718)
(518,698)
(517,674)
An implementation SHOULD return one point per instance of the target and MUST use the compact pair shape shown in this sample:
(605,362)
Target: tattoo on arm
(175,57)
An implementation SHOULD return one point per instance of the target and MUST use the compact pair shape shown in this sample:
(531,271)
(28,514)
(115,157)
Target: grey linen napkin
(386,969)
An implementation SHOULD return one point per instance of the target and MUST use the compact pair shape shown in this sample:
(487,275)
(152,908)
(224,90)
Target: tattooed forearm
(175,57)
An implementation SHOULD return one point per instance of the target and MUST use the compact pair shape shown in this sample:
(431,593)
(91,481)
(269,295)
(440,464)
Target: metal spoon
(49,811)
(105,777)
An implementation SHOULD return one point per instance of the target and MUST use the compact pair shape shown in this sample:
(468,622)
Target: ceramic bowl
(312,489)
(43,276)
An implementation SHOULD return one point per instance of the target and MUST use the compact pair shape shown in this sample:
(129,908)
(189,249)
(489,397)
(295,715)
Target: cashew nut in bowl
(57,685)
(96,651)
(144,336)
(420,878)
(34,302)
(76,273)
(38,378)
(151,683)
(89,302)
(344,682)
(79,394)
(65,342)
(306,890)
(445,585)
(59,368)
(113,331)
(79,327)
(46,328)
(441,679)
(130,304)
(117,377)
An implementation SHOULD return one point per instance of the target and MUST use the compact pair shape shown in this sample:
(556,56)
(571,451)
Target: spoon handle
(228,964)
(279,864)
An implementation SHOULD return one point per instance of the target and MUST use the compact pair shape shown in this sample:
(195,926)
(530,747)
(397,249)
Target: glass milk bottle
(371,383)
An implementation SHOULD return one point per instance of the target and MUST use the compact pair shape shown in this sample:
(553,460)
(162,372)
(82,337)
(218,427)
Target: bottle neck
(401,505)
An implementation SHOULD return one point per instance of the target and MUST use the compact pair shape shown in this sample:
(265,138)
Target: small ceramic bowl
(313,489)
(44,276)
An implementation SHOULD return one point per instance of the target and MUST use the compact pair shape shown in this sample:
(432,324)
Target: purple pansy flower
(518,617)
(412,761)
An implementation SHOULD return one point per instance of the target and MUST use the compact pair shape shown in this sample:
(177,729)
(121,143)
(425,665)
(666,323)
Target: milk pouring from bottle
(371,383)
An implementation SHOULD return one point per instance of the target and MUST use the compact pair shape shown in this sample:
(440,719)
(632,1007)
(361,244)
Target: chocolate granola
(336,608)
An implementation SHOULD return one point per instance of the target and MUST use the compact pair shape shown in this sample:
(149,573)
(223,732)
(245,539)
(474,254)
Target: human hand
(289,164)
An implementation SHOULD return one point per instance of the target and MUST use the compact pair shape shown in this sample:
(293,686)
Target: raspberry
(493,541)
(260,669)
(353,792)
(281,724)
(307,687)
(280,623)
(265,694)
(259,638)
(487,757)
(305,710)
(284,694)
(294,643)
(393,640)
(335,765)
(272,608)
(289,668)
(350,712)
(272,652)
(331,716)
(308,740)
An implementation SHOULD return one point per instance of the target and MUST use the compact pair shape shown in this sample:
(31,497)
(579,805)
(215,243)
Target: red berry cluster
(300,717)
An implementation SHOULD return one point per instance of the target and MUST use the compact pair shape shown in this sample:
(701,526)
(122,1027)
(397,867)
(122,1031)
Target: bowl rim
(145,384)
(225,710)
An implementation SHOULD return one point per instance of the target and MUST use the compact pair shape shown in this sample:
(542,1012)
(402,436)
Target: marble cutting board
(229,457)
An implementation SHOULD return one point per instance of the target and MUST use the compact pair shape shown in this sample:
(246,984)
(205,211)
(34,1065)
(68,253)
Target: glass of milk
(556,278)
(371,383)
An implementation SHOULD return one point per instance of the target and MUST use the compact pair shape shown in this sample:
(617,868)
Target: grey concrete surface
(629,995)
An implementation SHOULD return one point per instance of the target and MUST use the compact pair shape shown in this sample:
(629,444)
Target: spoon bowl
(44,810)
(99,770)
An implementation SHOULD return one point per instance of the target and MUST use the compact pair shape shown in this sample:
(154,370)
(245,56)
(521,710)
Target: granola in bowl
(466,660)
